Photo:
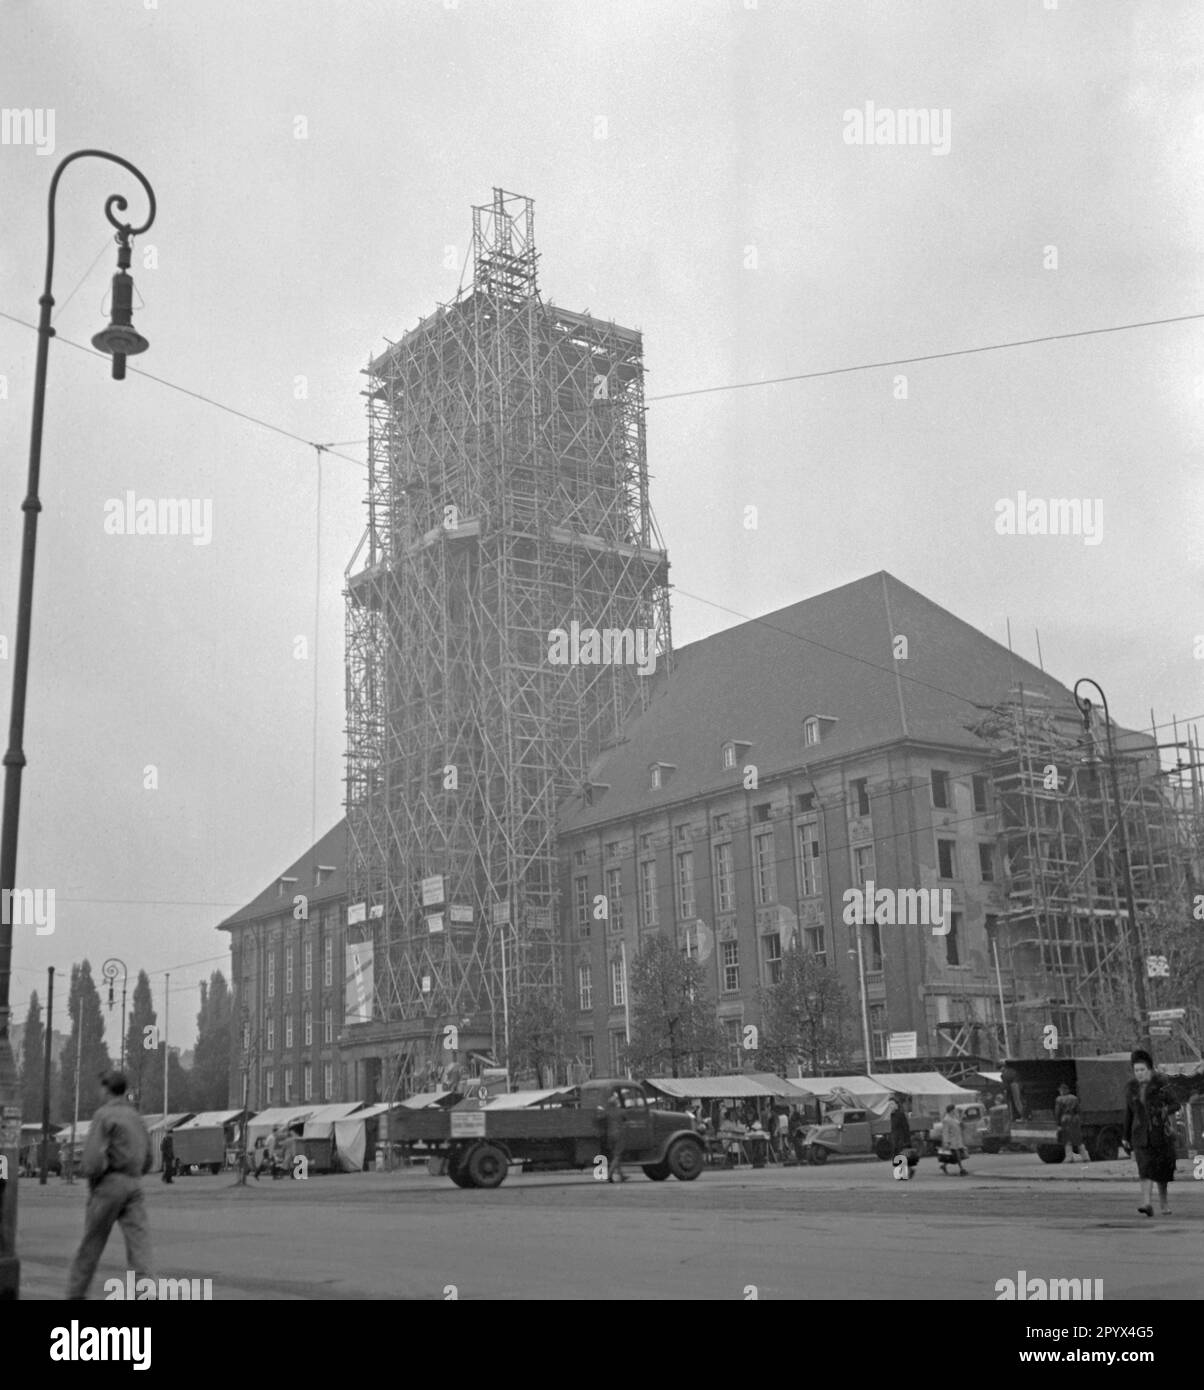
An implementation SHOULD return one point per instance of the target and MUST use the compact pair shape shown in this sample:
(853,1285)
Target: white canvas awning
(713,1087)
(424,1099)
(930,1092)
(211,1119)
(519,1100)
(320,1124)
(862,1090)
(276,1117)
(351,1137)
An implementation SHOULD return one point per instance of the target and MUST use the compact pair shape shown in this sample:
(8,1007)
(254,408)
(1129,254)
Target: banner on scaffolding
(358,992)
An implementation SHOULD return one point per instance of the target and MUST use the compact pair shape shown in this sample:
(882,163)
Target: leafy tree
(674,1026)
(142,1067)
(83,1003)
(33,1054)
(805,1016)
(538,1035)
(209,1082)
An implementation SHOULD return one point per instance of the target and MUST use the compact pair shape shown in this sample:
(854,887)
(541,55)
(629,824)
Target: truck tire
(658,1172)
(486,1165)
(456,1170)
(1105,1146)
(882,1147)
(991,1144)
(817,1154)
(215,1168)
(685,1159)
(1051,1153)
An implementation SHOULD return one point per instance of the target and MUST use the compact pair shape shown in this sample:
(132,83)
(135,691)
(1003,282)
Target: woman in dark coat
(1149,1130)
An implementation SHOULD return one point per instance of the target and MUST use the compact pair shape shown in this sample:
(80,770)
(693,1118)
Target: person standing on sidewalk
(168,1149)
(953,1144)
(1070,1126)
(116,1156)
(1149,1132)
(615,1125)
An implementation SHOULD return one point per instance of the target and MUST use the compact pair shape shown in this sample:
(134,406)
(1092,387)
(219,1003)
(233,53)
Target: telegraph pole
(166,1048)
(46,1079)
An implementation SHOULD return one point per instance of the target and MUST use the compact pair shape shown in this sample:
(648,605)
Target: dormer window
(659,774)
(322,873)
(282,886)
(593,792)
(810,732)
(729,756)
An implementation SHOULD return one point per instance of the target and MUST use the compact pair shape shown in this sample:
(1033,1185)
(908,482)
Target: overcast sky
(695,177)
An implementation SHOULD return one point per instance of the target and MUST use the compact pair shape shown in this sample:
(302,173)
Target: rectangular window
(585,987)
(804,801)
(810,878)
(327,1080)
(308,1031)
(730,963)
(877,1013)
(586,1050)
(327,960)
(732,1031)
(618,1049)
(271,1035)
(288,1031)
(614,898)
(986,863)
(810,732)
(982,793)
(724,889)
(863,865)
(614,849)
(814,938)
(761,813)
(271,974)
(287,1084)
(288,968)
(618,984)
(327,1026)
(684,884)
(720,822)
(246,1037)
(579,857)
(765,879)
(307,951)
(729,755)
(681,834)
(269,1084)
(953,945)
(861,795)
(307,1081)
(946,858)
(645,844)
(648,892)
(940,789)
(581,904)
(771,959)
(875,938)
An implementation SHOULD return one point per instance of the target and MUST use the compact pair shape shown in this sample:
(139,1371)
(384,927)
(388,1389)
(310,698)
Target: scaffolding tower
(507,500)
(1065,943)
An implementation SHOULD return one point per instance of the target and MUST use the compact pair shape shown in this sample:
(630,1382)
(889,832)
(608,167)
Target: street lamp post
(120,340)
(1085,709)
(108,972)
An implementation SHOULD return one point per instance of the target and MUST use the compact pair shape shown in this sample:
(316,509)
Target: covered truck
(476,1140)
(1099,1083)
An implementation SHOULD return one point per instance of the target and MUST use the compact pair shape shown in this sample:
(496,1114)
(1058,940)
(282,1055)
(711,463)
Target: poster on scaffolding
(358,983)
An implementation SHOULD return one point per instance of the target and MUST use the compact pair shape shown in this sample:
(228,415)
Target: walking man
(116,1155)
(168,1149)
(615,1123)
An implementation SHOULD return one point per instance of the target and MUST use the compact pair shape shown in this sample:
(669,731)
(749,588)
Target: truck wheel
(215,1168)
(456,1171)
(818,1154)
(1106,1146)
(658,1172)
(882,1148)
(685,1159)
(1051,1153)
(485,1165)
(991,1145)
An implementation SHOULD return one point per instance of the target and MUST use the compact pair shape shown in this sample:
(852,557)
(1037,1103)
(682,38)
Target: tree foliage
(33,1053)
(806,1017)
(142,1066)
(538,1035)
(88,1034)
(210,1079)
(674,1026)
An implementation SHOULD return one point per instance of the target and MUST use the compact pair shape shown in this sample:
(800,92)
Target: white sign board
(435,922)
(432,891)
(467,1124)
(460,912)
(1167,1015)
(501,914)
(356,913)
(901,1046)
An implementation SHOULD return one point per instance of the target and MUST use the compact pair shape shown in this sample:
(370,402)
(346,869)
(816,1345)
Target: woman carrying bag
(1149,1132)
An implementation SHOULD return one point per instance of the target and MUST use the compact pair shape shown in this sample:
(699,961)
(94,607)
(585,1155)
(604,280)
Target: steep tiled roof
(757,682)
(330,849)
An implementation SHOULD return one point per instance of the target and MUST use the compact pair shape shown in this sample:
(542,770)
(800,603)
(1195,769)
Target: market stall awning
(780,1087)
(277,1117)
(209,1119)
(861,1090)
(425,1098)
(320,1122)
(929,1090)
(710,1087)
(519,1100)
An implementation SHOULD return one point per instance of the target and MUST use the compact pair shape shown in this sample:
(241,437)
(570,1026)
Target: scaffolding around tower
(1065,944)
(507,500)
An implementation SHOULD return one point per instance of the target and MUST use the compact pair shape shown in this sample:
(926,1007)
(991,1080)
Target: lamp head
(121,339)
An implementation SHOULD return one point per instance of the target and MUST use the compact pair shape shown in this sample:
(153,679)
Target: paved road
(844,1231)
